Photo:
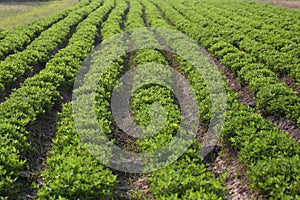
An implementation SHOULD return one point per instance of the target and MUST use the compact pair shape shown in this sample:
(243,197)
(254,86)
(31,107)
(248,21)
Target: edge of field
(19,14)
(291,4)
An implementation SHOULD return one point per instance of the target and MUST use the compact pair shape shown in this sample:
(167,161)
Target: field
(19,14)
(288,3)
(149,99)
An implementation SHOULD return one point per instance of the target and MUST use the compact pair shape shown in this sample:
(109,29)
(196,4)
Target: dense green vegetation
(258,43)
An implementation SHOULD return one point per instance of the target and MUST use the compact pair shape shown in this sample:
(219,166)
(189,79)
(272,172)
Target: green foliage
(278,100)
(270,156)
(40,93)
(255,42)
(253,59)
(72,172)
(280,180)
(187,178)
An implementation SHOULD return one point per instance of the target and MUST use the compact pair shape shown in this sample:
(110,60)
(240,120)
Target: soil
(290,82)
(42,132)
(237,181)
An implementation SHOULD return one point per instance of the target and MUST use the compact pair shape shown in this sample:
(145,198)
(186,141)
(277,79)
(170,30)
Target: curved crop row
(39,94)
(19,39)
(187,177)
(93,177)
(72,172)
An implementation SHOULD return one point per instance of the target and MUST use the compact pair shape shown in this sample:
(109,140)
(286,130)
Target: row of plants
(187,177)
(112,25)
(109,77)
(42,48)
(271,156)
(272,96)
(17,40)
(40,94)
(72,172)
(252,40)
(94,180)
(134,19)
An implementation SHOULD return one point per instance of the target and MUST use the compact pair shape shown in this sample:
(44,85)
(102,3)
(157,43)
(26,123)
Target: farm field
(221,78)
(19,14)
(288,3)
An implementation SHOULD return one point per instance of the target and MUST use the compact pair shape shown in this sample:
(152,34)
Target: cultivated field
(19,14)
(239,66)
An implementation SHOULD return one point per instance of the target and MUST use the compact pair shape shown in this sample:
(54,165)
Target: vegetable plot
(257,43)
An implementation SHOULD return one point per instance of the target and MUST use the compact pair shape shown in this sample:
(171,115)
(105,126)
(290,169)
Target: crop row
(183,178)
(39,94)
(264,150)
(42,48)
(95,179)
(72,172)
(19,39)
(97,188)
(272,96)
